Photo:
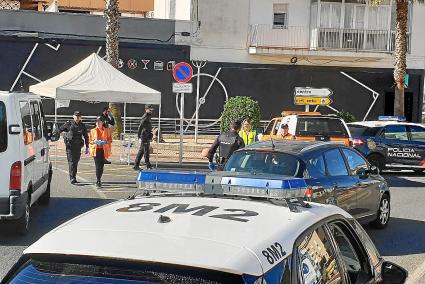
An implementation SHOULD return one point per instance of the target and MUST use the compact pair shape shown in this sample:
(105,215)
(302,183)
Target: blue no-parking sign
(182,72)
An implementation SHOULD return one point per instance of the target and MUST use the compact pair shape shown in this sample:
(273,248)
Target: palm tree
(112,14)
(402,11)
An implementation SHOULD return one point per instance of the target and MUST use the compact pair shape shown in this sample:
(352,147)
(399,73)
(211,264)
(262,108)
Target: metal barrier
(168,150)
(168,125)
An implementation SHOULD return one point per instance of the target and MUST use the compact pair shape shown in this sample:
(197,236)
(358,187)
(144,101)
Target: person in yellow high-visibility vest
(248,135)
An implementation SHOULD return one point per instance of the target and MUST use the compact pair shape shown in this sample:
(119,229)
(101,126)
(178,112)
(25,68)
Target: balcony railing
(287,37)
(353,39)
(264,36)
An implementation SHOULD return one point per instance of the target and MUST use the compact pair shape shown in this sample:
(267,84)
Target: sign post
(307,96)
(182,73)
(181,127)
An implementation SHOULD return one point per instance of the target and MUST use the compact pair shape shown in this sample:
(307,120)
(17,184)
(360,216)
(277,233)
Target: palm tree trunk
(400,55)
(112,54)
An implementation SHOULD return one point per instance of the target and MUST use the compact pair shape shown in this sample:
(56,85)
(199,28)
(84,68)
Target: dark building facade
(31,52)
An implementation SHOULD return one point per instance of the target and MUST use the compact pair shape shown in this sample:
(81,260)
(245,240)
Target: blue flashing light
(294,183)
(251,182)
(391,118)
(172,177)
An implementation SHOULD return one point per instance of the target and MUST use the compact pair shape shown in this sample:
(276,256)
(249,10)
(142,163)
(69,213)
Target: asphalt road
(402,242)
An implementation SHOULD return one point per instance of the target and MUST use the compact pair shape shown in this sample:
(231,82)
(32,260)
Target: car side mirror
(374,170)
(260,130)
(52,132)
(392,273)
(362,172)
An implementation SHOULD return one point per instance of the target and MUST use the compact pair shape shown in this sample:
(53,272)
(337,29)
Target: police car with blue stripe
(390,143)
(188,227)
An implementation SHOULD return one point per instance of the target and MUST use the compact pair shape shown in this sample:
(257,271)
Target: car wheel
(377,161)
(45,198)
(384,211)
(22,224)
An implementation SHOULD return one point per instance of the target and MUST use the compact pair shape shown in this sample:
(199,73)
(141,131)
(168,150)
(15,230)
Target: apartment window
(280,16)
(354,16)
(330,15)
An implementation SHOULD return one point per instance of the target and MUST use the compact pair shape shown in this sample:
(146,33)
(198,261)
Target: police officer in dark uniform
(74,130)
(145,135)
(228,142)
(108,119)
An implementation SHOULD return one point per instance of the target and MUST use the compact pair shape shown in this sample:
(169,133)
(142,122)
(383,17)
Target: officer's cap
(77,113)
(149,107)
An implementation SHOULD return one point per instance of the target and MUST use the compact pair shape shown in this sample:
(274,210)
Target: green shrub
(346,116)
(238,109)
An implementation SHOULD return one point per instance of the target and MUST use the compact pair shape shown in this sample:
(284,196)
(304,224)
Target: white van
(26,170)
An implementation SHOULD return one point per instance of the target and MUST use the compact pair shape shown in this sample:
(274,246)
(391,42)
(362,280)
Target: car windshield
(319,126)
(265,162)
(35,271)
(3,128)
(360,130)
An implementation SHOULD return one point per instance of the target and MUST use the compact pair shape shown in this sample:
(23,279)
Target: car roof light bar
(192,182)
(391,118)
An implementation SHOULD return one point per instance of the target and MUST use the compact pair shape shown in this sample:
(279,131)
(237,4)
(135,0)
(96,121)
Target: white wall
(224,23)
(223,36)
(163,9)
(418,35)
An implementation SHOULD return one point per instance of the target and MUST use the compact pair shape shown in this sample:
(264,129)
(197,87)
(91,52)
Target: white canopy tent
(94,79)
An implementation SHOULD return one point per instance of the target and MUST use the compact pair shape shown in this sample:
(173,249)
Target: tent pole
(56,144)
(158,136)
(125,115)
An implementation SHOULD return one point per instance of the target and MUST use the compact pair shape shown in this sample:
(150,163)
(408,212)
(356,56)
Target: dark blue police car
(333,173)
(390,143)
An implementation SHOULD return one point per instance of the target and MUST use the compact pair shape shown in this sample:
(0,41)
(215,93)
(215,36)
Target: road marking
(417,275)
(117,191)
(100,193)
(109,170)
(114,175)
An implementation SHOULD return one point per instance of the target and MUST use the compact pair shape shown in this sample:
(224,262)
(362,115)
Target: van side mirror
(14,129)
(393,274)
(52,133)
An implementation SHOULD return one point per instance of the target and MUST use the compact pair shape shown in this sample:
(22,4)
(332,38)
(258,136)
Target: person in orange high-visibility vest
(100,147)
(248,135)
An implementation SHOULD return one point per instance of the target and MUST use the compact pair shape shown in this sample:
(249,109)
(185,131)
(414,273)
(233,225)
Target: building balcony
(287,37)
(266,38)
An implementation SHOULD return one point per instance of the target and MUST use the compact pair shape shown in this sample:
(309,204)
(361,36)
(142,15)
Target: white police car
(390,143)
(197,228)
